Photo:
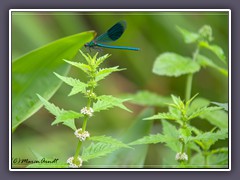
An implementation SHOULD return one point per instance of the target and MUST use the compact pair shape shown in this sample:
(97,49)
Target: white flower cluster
(92,95)
(81,135)
(87,111)
(181,156)
(72,164)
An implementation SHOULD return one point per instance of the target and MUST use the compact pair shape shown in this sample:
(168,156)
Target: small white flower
(73,164)
(81,135)
(87,111)
(181,156)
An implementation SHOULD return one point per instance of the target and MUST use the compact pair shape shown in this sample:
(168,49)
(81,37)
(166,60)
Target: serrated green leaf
(67,115)
(223,105)
(101,59)
(108,139)
(171,133)
(150,139)
(202,110)
(59,113)
(217,118)
(212,136)
(105,102)
(102,73)
(148,98)
(167,116)
(215,49)
(84,67)
(189,37)
(98,150)
(32,74)
(204,61)
(77,85)
(171,64)
(50,106)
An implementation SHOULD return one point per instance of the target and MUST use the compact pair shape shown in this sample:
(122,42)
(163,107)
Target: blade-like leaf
(171,64)
(132,158)
(78,86)
(33,73)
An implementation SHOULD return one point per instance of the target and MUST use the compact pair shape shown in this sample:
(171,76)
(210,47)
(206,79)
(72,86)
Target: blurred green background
(153,32)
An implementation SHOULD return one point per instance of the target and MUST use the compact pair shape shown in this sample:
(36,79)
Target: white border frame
(116,10)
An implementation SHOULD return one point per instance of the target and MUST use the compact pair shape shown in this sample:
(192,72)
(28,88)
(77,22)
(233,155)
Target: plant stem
(83,128)
(190,78)
(189,87)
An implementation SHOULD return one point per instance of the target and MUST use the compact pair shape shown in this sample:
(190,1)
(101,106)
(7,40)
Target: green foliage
(151,139)
(102,73)
(105,102)
(187,138)
(62,116)
(107,139)
(104,145)
(171,64)
(77,85)
(223,105)
(206,62)
(96,150)
(147,98)
(32,74)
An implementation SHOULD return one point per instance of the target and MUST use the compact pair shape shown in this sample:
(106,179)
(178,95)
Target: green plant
(101,145)
(193,146)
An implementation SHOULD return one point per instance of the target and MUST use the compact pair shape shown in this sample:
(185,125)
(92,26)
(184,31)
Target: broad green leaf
(97,150)
(33,74)
(105,102)
(215,49)
(147,98)
(171,64)
(131,158)
(189,37)
(109,140)
(204,61)
(77,85)
(202,110)
(150,139)
(223,105)
(102,73)
(171,133)
(62,116)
